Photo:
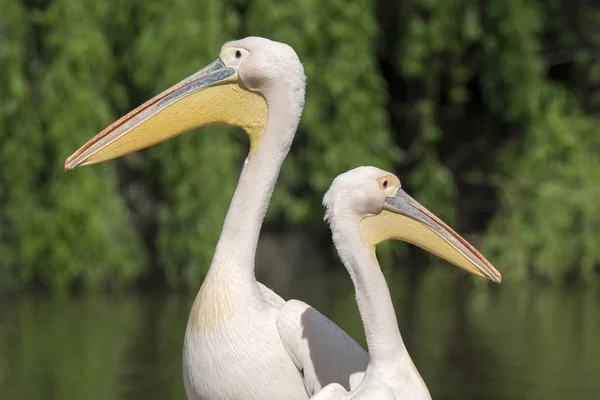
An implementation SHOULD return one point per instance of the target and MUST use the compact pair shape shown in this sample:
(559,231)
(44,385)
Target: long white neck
(372,295)
(235,252)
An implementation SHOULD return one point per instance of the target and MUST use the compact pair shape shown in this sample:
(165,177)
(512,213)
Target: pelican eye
(385,184)
(238,54)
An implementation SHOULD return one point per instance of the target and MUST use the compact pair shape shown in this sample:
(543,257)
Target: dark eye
(385,184)
(238,54)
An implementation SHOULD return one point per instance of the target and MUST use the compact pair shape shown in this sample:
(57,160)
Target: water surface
(507,343)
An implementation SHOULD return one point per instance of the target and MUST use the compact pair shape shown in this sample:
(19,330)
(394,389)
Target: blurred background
(487,111)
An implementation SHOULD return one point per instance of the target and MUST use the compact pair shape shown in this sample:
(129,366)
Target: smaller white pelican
(366,206)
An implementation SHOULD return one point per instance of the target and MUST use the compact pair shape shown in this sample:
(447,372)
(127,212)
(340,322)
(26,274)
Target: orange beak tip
(66,166)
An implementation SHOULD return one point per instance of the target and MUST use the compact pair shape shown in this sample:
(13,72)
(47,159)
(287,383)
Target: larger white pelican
(366,206)
(233,349)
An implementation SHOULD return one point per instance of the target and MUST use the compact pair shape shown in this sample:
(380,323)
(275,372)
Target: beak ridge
(405,205)
(210,75)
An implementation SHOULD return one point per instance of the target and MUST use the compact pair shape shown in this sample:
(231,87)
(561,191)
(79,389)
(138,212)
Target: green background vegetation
(486,110)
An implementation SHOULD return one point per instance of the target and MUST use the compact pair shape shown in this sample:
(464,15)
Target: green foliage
(550,218)
(512,49)
(549,214)
(439,91)
(59,228)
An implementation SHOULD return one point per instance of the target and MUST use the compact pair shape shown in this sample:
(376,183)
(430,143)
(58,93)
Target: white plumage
(360,204)
(242,341)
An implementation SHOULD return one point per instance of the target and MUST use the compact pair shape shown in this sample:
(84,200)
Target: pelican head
(238,89)
(385,211)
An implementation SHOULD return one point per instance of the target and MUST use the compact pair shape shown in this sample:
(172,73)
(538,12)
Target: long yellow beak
(210,96)
(403,218)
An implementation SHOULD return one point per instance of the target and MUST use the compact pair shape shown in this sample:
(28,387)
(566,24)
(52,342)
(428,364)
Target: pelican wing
(320,349)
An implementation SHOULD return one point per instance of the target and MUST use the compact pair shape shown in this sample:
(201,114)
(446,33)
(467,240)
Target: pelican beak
(212,95)
(403,218)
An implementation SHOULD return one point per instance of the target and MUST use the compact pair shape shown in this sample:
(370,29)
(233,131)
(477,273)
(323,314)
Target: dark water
(508,343)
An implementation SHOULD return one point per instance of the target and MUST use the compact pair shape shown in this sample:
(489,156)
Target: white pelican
(366,206)
(233,349)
